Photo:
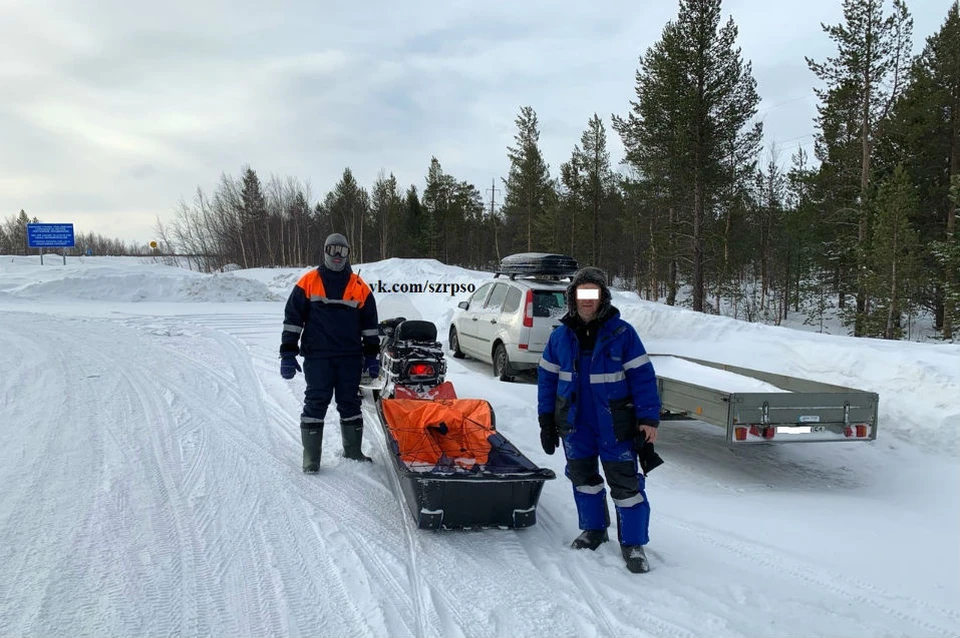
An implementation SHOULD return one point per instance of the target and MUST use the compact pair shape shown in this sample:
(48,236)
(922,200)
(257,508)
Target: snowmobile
(411,356)
(456,469)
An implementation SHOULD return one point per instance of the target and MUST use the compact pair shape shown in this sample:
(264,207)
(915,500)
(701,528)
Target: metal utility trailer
(803,411)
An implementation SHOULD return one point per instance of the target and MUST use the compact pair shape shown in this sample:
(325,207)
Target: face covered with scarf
(336,252)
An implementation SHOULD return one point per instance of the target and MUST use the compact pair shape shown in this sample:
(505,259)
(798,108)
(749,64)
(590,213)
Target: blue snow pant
(582,447)
(328,376)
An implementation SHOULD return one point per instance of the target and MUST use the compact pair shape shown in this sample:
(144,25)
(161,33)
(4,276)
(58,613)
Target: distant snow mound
(140,283)
(225,288)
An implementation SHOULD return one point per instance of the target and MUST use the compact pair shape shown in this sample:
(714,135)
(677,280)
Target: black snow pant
(326,377)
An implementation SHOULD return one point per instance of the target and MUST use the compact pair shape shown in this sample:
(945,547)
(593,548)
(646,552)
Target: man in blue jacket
(597,391)
(331,321)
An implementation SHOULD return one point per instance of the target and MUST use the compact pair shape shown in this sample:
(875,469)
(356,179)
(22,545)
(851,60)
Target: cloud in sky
(112,111)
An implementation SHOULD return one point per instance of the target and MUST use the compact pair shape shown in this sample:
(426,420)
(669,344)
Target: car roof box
(545,265)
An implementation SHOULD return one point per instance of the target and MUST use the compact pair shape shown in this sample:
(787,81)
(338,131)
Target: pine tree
(926,123)
(386,206)
(441,218)
(688,133)
(254,233)
(472,244)
(862,84)
(413,241)
(803,235)
(528,183)
(597,179)
(894,256)
(348,205)
(771,188)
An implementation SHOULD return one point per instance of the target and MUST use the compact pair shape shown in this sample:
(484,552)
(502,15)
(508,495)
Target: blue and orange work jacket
(330,314)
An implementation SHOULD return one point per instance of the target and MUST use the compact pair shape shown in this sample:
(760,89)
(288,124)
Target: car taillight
(421,370)
(528,310)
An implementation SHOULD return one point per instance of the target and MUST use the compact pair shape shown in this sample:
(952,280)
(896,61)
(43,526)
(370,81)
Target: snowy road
(151,486)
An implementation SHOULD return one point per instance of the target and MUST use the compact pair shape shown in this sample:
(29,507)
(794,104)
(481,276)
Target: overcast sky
(112,111)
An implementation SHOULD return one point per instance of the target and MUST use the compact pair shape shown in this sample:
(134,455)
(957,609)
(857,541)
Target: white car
(508,321)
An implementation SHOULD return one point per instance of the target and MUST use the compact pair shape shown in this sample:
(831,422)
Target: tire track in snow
(659,626)
(348,505)
(104,513)
(423,613)
(291,559)
(370,558)
(822,578)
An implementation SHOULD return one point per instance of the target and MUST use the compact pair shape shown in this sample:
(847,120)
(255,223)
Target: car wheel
(455,344)
(501,364)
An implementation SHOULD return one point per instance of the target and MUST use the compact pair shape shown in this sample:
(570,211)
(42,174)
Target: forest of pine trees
(867,226)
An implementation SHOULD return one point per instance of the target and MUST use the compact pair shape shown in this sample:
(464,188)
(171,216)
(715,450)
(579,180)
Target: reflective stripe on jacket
(327,322)
(621,376)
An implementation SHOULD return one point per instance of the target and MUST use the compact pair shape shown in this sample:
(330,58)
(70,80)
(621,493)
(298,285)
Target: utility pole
(493,218)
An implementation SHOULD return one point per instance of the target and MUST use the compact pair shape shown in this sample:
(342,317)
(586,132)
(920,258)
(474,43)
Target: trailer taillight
(740,433)
(860,431)
(528,310)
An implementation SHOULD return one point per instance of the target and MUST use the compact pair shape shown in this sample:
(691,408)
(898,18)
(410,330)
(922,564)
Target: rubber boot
(635,558)
(352,433)
(312,447)
(590,539)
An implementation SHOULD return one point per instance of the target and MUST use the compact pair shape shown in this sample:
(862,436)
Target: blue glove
(289,366)
(371,365)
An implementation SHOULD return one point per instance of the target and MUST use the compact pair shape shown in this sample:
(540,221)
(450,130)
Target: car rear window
(549,303)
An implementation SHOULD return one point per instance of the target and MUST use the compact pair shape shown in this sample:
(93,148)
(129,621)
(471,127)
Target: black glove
(646,456)
(549,435)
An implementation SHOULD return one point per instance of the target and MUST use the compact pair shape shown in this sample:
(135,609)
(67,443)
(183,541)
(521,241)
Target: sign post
(50,235)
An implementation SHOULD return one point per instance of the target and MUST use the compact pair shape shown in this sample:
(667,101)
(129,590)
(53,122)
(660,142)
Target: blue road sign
(50,235)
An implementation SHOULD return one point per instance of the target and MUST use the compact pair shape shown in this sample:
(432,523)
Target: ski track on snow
(191,515)
(823,579)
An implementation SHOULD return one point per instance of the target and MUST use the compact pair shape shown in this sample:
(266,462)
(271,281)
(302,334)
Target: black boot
(352,433)
(590,539)
(312,447)
(636,558)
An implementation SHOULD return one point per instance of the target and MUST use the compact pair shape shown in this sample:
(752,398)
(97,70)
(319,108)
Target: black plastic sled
(455,469)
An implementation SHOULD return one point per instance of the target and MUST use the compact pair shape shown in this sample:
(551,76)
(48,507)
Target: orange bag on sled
(453,431)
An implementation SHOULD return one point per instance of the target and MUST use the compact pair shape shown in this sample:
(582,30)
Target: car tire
(455,344)
(501,364)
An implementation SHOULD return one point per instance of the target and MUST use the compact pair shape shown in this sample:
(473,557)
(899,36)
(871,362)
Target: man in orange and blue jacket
(331,321)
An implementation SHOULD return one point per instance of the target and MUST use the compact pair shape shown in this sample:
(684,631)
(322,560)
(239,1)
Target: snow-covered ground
(151,483)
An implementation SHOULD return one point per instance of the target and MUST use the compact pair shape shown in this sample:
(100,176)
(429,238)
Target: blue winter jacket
(621,375)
